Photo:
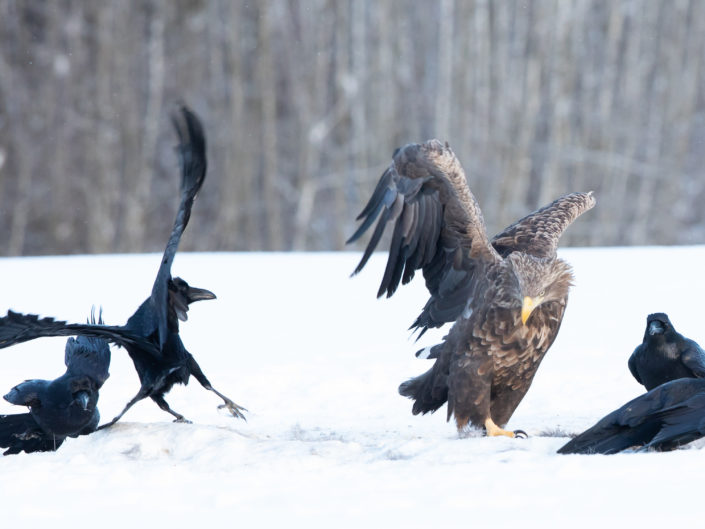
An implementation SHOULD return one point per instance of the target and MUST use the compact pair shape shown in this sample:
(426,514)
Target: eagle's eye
(542,293)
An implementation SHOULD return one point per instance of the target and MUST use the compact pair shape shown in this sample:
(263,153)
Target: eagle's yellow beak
(528,307)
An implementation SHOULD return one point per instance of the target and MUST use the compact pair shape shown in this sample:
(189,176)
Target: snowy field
(328,442)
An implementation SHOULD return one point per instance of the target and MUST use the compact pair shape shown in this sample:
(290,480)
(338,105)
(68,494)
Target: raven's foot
(182,419)
(107,424)
(492,430)
(233,408)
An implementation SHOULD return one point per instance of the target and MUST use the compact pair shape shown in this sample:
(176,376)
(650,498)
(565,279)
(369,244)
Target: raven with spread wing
(151,334)
(663,419)
(506,296)
(665,355)
(60,408)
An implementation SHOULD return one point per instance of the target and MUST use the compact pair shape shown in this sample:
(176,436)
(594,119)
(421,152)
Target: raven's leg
(159,399)
(143,392)
(233,408)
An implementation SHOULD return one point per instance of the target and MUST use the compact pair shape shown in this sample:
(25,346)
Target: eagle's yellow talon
(492,430)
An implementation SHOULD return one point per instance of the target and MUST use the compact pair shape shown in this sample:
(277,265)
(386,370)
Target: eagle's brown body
(494,358)
(506,296)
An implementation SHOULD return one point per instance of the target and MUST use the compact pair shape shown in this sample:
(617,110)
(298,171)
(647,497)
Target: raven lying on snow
(665,418)
(60,408)
(665,355)
(151,334)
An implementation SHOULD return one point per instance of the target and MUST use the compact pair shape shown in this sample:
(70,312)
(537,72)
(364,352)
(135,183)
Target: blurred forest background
(304,102)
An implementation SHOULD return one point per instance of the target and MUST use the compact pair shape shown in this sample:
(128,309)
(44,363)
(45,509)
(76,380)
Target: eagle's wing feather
(438,227)
(537,234)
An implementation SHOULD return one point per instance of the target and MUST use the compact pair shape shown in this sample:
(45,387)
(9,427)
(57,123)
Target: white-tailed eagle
(506,295)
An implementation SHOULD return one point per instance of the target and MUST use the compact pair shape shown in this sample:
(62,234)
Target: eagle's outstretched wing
(17,328)
(438,227)
(537,234)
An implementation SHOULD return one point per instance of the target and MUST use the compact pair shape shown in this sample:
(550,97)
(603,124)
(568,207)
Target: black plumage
(506,295)
(151,334)
(665,355)
(60,408)
(665,418)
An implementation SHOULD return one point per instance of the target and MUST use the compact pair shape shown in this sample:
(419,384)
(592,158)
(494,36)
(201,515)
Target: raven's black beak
(8,397)
(656,327)
(82,399)
(199,294)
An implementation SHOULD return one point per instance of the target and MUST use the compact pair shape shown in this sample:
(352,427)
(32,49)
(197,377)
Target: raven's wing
(611,435)
(693,357)
(193,163)
(438,227)
(680,424)
(28,393)
(632,364)
(20,432)
(641,421)
(17,328)
(537,234)
(88,356)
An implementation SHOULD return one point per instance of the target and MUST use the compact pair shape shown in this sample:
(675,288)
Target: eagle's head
(534,281)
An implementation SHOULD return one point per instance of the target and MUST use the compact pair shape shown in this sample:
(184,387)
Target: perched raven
(60,408)
(665,355)
(663,419)
(151,334)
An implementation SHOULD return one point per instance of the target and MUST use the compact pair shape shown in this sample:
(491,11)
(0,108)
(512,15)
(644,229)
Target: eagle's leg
(492,430)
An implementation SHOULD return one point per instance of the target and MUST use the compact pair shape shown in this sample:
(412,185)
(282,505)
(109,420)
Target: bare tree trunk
(315,128)
(19,140)
(445,68)
(138,205)
(270,173)
(653,132)
(102,147)
(305,100)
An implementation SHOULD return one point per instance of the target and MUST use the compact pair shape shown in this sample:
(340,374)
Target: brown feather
(488,360)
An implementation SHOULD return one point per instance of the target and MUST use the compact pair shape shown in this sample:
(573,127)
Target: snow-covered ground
(328,442)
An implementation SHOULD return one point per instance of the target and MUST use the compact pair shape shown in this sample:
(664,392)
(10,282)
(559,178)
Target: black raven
(665,355)
(60,408)
(663,419)
(151,334)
